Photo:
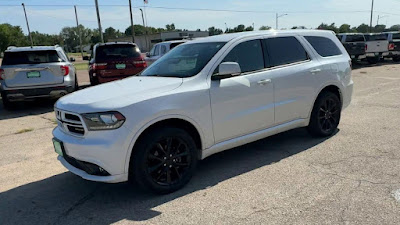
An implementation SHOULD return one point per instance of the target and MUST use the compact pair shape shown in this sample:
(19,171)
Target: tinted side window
(355,38)
(248,54)
(285,50)
(31,57)
(325,47)
(163,49)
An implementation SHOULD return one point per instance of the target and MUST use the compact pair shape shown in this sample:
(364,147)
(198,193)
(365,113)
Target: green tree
(395,28)
(214,31)
(363,28)
(265,28)
(379,28)
(331,27)
(345,28)
(250,28)
(170,27)
(11,36)
(111,33)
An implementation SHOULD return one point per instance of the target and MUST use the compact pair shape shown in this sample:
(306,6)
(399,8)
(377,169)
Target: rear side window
(248,54)
(173,45)
(117,51)
(285,50)
(376,37)
(355,38)
(325,47)
(31,57)
(163,49)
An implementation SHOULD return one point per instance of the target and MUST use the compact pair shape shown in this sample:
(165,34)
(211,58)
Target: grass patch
(76,54)
(24,131)
(81,66)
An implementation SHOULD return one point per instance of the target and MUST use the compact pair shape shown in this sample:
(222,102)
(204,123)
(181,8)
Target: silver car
(33,72)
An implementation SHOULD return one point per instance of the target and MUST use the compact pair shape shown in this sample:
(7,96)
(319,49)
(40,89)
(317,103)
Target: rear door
(33,68)
(120,60)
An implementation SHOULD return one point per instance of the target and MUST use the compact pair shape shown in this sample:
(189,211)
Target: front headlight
(103,120)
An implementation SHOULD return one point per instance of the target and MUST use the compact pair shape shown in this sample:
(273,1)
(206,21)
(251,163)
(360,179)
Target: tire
(93,80)
(325,116)
(152,153)
(76,83)
(373,60)
(396,59)
(6,103)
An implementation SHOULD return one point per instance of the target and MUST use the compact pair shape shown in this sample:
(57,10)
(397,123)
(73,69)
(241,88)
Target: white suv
(203,97)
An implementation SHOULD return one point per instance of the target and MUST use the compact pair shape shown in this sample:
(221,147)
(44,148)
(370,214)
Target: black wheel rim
(328,115)
(168,160)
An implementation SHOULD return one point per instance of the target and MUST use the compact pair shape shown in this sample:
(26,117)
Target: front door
(243,104)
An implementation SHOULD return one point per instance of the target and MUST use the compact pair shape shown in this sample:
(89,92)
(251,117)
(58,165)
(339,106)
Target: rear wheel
(76,83)
(326,114)
(93,80)
(6,103)
(164,160)
(373,60)
(396,59)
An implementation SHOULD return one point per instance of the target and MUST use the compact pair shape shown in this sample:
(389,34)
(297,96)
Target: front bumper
(48,92)
(347,94)
(105,149)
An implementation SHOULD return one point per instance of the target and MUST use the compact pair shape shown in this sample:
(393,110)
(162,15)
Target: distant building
(146,42)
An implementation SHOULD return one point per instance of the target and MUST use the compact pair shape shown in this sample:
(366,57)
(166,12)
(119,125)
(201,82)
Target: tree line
(69,36)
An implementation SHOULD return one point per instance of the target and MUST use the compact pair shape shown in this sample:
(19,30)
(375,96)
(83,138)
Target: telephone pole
(79,31)
(132,28)
(27,24)
(277,19)
(372,12)
(98,21)
(145,28)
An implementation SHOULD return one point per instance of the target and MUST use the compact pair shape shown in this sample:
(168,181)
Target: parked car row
(372,47)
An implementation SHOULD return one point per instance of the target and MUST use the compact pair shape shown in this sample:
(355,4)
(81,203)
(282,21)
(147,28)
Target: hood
(117,94)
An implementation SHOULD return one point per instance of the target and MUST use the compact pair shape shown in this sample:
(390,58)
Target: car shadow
(68,199)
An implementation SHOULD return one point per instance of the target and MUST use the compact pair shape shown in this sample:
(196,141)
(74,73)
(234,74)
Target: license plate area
(33,74)
(120,66)
(58,147)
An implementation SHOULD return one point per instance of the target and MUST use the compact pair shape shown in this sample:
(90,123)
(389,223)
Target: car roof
(116,43)
(34,48)
(350,34)
(172,42)
(232,36)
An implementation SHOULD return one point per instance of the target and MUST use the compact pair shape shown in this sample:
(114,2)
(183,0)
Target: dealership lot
(350,178)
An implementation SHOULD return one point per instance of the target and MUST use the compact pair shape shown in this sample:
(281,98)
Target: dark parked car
(354,44)
(394,45)
(114,61)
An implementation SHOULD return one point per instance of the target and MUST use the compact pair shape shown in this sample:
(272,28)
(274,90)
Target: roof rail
(56,46)
(10,47)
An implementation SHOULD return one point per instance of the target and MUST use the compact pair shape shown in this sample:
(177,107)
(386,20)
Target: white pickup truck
(376,47)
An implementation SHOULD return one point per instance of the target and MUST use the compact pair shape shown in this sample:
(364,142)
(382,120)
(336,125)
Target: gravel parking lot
(291,178)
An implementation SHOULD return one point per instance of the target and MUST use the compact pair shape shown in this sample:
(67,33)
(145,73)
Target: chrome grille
(70,122)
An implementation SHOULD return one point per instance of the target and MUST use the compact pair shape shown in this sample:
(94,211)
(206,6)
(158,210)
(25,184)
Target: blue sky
(309,13)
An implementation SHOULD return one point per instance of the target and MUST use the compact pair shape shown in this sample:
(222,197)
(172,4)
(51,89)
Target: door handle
(315,71)
(264,82)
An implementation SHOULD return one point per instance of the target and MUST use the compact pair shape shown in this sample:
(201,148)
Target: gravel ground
(291,178)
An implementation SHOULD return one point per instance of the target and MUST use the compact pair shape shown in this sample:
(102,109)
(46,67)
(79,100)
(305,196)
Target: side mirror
(226,70)
(72,59)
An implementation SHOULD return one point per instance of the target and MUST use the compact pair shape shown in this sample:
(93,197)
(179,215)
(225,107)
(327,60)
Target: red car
(114,61)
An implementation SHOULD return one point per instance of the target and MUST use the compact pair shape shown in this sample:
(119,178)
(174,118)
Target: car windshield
(104,52)
(31,57)
(355,38)
(396,36)
(184,60)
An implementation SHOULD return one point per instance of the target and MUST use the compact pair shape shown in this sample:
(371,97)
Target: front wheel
(164,160)
(326,114)
(93,80)
(6,103)
(373,60)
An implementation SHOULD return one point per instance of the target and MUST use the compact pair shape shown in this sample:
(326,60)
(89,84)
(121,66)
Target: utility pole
(380,17)
(277,19)
(98,21)
(372,12)
(27,24)
(145,29)
(132,28)
(79,31)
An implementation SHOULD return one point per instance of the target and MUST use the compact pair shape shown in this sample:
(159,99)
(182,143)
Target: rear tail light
(391,46)
(366,47)
(2,74)
(140,63)
(99,66)
(65,70)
